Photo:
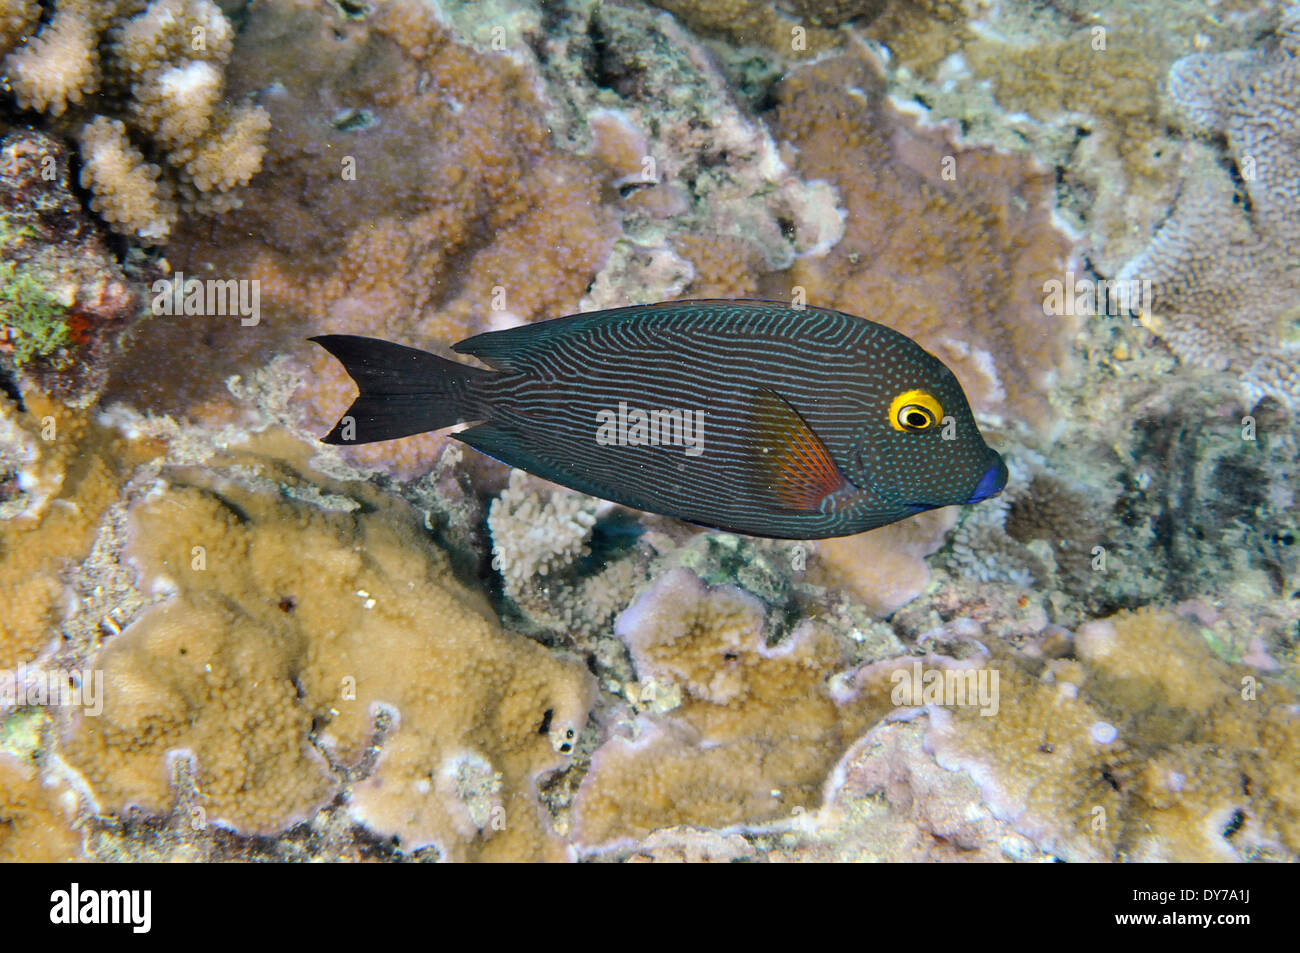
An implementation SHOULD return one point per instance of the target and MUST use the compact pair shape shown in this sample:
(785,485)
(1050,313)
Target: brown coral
(160,72)
(948,243)
(129,193)
(289,637)
(1224,265)
(17,18)
(67,471)
(431,206)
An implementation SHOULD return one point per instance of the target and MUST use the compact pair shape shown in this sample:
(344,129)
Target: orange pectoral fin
(796,463)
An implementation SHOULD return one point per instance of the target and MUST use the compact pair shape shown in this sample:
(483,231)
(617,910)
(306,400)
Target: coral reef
(64,297)
(1091,748)
(959,240)
(532,538)
(405,652)
(1224,265)
(159,137)
(34,817)
(461,726)
(754,730)
(411,191)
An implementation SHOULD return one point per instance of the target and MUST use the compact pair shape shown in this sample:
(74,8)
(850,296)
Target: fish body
(748,416)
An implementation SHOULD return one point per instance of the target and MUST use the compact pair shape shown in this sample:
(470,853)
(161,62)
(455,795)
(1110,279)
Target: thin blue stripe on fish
(749,416)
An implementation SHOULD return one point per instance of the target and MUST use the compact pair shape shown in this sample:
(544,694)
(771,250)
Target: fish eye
(915,411)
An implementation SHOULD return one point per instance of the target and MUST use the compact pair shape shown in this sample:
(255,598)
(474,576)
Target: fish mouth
(991,483)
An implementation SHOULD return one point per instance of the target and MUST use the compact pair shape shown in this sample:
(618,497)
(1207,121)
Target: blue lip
(991,483)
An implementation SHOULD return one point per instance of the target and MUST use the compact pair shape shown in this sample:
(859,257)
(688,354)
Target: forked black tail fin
(404,391)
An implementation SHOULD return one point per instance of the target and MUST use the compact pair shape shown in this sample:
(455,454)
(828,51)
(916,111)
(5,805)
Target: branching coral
(1224,265)
(532,538)
(59,473)
(411,191)
(159,133)
(34,817)
(17,18)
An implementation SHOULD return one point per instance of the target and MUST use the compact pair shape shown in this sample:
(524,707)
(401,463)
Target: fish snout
(991,483)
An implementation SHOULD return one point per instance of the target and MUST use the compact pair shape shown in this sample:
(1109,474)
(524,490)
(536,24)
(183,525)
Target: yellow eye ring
(914,411)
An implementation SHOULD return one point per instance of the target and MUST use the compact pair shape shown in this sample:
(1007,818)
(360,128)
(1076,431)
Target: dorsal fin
(797,464)
(508,350)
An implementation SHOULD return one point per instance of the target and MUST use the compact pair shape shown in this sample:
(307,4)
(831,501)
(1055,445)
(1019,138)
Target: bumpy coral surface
(273,657)
(1224,265)
(34,817)
(65,299)
(131,79)
(411,191)
(755,730)
(406,652)
(948,244)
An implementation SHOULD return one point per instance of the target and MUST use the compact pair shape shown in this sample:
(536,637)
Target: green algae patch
(34,321)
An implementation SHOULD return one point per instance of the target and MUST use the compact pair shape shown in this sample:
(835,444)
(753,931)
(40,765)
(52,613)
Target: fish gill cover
(224,639)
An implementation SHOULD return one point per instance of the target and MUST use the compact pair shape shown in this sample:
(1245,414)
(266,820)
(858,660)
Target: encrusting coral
(17,18)
(1224,265)
(1131,740)
(34,817)
(958,240)
(128,193)
(156,135)
(411,191)
(748,732)
(289,639)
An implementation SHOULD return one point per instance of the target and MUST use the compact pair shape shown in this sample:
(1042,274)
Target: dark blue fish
(748,416)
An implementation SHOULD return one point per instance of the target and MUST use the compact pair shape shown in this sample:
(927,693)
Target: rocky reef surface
(221,639)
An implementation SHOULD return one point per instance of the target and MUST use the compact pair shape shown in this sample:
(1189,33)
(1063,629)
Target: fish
(758,418)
